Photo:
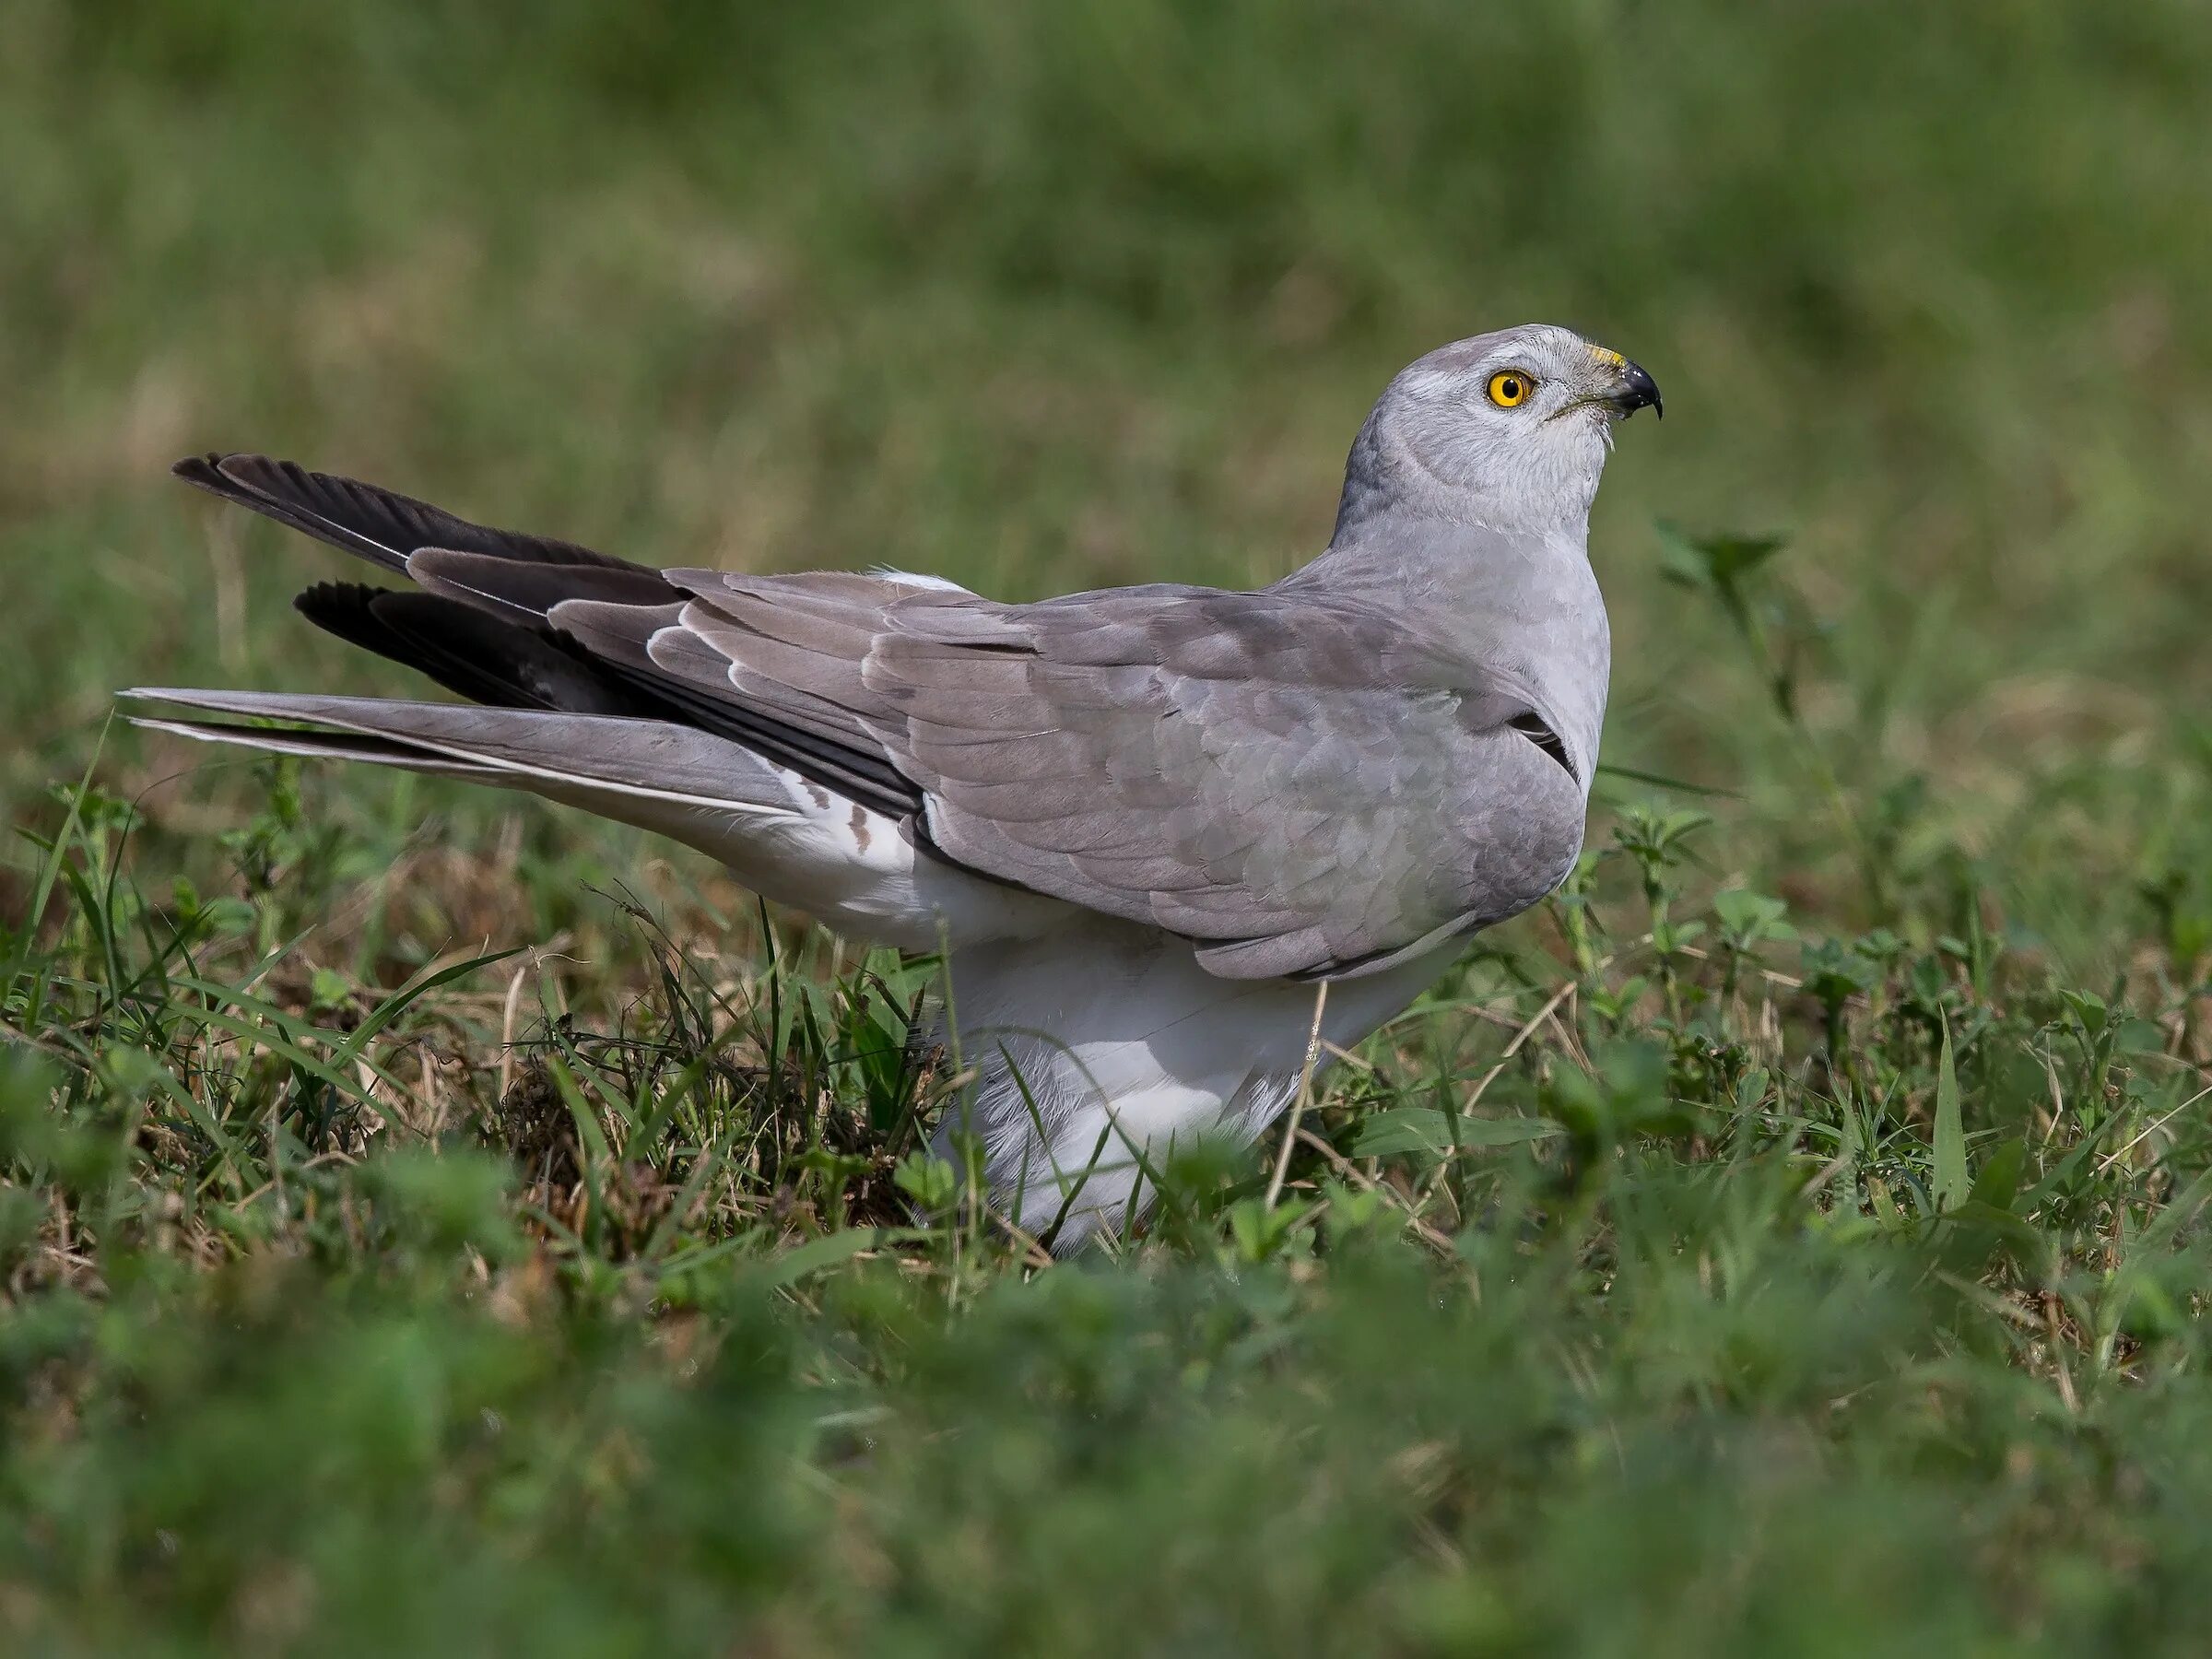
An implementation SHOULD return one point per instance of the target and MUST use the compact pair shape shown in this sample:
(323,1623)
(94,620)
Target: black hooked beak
(1638,389)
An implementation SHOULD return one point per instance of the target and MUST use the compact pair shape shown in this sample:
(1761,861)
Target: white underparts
(1101,1047)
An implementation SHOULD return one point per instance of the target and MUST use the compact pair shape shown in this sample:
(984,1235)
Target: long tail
(670,778)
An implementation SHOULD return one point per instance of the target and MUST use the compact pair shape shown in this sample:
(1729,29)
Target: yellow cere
(1602,355)
(1510,386)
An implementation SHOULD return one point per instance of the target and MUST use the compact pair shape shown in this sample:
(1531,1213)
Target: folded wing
(1300,788)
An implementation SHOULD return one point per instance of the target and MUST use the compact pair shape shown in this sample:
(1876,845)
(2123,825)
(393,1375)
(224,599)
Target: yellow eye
(1510,386)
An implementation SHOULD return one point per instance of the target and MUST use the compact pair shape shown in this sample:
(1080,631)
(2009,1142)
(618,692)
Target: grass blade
(1952,1185)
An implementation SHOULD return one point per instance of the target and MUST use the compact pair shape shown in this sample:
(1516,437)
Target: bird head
(1509,428)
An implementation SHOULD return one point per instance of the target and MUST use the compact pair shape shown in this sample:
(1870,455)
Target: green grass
(435,1222)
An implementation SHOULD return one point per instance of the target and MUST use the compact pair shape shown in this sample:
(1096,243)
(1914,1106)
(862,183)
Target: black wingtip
(380,525)
(329,598)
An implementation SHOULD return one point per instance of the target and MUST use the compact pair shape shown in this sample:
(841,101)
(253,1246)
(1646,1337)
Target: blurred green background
(1054,296)
(1049,297)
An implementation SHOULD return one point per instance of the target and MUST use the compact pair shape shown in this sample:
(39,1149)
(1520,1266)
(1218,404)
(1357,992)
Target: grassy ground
(433,1222)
